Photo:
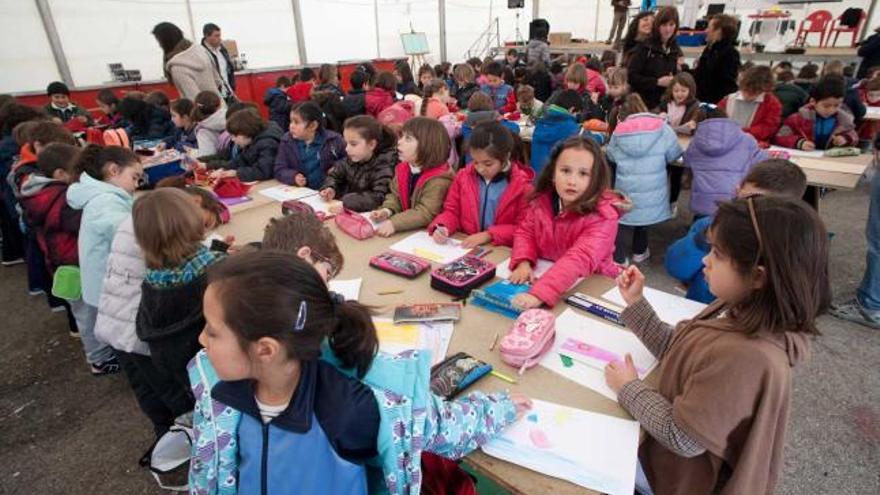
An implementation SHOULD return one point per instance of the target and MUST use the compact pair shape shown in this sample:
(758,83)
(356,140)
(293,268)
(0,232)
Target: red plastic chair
(836,28)
(819,22)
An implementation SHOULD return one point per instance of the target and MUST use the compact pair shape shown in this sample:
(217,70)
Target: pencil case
(462,276)
(531,336)
(399,264)
(456,373)
(354,225)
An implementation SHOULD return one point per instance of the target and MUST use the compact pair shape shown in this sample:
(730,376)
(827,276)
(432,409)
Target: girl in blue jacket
(308,151)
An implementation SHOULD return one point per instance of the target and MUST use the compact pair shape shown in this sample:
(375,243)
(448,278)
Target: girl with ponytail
(435,94)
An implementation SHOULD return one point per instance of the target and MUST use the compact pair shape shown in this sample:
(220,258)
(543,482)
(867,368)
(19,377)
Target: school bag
(169,461)
(531,336)
(397,114)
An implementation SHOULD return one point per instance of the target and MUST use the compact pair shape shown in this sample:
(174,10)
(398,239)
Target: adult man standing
(222,62)
(619,22)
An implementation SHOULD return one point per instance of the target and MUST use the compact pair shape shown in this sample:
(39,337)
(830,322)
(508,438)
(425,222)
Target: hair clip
(301,317)
(708,106)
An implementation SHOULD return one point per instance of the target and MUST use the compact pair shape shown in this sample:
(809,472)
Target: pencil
(389,292)
(502,377)
(494,341)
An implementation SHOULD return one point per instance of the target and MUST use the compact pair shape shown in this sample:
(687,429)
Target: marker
(388,292)
(595,307)
(494,341)
(502,377)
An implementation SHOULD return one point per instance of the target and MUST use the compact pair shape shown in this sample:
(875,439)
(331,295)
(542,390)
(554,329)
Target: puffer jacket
(56,224)
(257,160)
(580,245)
(556,125)
(719,156)
(121,293)
(416,211)
(278,104)
(376,100)
(192,71)
(642,146)
(288,162)
(355,102)
(798,128)
(363,186)
(208,133)
(464,93)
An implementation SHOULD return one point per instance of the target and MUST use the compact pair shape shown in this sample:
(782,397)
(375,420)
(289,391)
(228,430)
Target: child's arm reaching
(639,316)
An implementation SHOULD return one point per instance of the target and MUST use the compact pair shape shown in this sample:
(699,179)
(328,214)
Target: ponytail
(428,91)
(354,339)
(310,112)
(94,158)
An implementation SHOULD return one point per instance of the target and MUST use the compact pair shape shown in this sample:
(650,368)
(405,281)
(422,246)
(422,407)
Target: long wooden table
(473,334)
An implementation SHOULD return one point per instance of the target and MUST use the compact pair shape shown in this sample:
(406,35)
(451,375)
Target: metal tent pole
(376,19)
(54,41)
(441,5)
(300,35)
(192,24)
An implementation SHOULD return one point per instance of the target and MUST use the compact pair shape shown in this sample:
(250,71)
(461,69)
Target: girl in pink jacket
(572,221)
(489,196)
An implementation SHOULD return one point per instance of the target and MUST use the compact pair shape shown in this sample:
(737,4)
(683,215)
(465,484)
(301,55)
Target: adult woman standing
(638,32)
(869,50)
(188,67)
(718,65)
(654,62)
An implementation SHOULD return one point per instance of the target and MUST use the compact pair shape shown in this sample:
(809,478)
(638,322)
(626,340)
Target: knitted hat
(57,88)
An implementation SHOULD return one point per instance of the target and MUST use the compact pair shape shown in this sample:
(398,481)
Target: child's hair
(183,107)
(729,26)
(306,74)
(57,88)
(618,76)
(107,97)
(282,82)
(58,156)
(327,74)
(833,67)
(783,65)
(594,64)
(246,123)
(778,176)
(480,102)
(496,140)
(632,104)
(600,179)
(426,69)
(136,111)
(331,108)
(872,85)
(608,58)
(434,143)
(757,79)
(786,238)
(709,111)
(829,86)
(369,69)
(371,129)
(429,90)
(158,98)
(576,73)
(686,80)
(15,113)
(22,132)
(568,99)
(476,63)
(93,159)
(525,93)
(849,70)
(168,227)
(785,76)
(241,106)
(493,68)
(386,81)
(278,295)
(207,199)
(205,104)
(808,72)
(512,51)
(47,132)
(309,111)
(406,76)
(300,229)
(464,73)
(357,79)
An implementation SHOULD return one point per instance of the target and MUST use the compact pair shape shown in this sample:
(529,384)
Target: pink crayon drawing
(575,348)
(539,438)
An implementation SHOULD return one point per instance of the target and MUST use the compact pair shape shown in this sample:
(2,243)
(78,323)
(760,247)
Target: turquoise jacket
(104,207)
(413,420)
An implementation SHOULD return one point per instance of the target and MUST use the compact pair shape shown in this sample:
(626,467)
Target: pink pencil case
(463,275)
(399,264)
(531,336)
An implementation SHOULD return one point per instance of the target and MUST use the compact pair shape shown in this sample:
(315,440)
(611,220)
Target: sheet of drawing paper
(669,307)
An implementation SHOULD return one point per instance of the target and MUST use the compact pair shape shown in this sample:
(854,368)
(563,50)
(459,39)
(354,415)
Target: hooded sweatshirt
(556,125)
(104,207)
(208,132)
(192,71)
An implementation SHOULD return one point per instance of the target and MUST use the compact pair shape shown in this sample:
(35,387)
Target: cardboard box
(559,38)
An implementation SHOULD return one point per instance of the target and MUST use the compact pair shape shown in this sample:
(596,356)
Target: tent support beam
(300,36)
(441,5)
(54,41)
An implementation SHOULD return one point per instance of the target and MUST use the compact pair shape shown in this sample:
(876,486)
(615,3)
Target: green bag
(67,284)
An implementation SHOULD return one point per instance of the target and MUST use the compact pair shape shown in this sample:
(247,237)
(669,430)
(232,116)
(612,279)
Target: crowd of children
(261,333)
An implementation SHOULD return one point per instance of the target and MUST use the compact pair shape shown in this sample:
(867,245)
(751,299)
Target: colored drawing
(539,438)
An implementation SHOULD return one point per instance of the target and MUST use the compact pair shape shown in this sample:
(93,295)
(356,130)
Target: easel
(415,46)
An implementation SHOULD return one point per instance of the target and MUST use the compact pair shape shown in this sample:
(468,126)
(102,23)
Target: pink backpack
(397,114)
(531,336)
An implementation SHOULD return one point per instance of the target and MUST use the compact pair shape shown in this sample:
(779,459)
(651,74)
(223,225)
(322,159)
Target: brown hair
(600,179)
(872,85)
(48,132)
(618,76)
(385,80)
(464,73)
(577,73)
(58,156)
(756,79)
(206,200)
(662,16)
(168,227)
(429,90)
(787,239)
(525,93)
(206,103)
(158,98)
(778,176)
(833,67)
(278,295)
(496,140)
(686,80)
(300,229)
(632,104)
(371,129)
(327,74)
(183,107)
(480,102)
(434,143)
(808,71)
(248,124)
(785,76)
(93,159)
(728,25)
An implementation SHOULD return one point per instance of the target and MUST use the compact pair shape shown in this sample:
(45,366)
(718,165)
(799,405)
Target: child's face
(242,141)
(511,58)
(680,93)
(126,178)
(181,121)
(443,94)
(617,90)
(574,167)
(724,281)
(426,79)
(572,85)
(358,148)
(60,100)
(220,343)
(827,107)
(105,108)
(407,148)
(494,81)
(300,128)
(485,164)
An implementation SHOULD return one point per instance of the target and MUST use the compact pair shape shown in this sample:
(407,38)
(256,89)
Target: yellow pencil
(502,377)
(389,292)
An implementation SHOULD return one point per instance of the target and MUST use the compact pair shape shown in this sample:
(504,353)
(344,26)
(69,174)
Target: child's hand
(380,214)
(328,194)
(82,118)
(335,208)
(440,235)
(475,240)
(160,147)
(691,124)
(230,240)
(522,274)
(618,374)
(300,180)
(523,404)
(808,146)
(220,174)
(385,229)
(838,140)
(526,301)
(631,283)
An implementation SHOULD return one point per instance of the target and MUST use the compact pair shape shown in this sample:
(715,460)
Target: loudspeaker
(516,4)
(539,29)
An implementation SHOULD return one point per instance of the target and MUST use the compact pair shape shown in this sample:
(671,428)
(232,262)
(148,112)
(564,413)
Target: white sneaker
(17,261)
(642,257)
(675,211)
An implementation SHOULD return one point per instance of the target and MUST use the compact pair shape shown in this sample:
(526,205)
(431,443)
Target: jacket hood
(195,57)
(556,113)
(475,118)
(35,183)
(215,122)
(845,119)
(716,137)
(518,171)
(797,347)
(638,134)
(88,188)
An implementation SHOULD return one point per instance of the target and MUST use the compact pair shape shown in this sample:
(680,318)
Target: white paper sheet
(669,307)
(422,245)
(502,270)
(318,204)
(592,450)
(432,336)
(571,325)
(285,193)
(801,153)
(350,289)
(872,113)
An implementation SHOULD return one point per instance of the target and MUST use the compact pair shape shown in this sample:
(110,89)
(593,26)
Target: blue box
(691,38)
(156,173)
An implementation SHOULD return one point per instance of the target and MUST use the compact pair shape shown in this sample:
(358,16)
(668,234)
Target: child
(381,95)
(308,151)
(502,94)
(679,104)
(480,109)
(489,196)
(160,99)
(823,123)
(210,118)
(869,91)
(362,178)
(184,128)
(107,102)
(328,80)
(354,102)
(557,123)
(420,181)
(258,146)
(278,103)
(583,80)
(145,120)
(526,103)
(404,83)
(718,417)
(807,76)
(60,107)
(790,95)
(169,229)
(435,94)
(754,106)
(571,220)
(618,89)
(684,258)
(108,177)
(302,89)
(426,75)
(719,156)
(641,147)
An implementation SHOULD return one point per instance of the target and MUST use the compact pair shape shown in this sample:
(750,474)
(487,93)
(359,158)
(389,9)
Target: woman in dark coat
(718,65)
(654,62)
(638,32)
(869,50)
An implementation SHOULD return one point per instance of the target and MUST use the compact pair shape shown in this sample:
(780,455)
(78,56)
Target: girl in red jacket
(572,220)
(755,106)
(487,198)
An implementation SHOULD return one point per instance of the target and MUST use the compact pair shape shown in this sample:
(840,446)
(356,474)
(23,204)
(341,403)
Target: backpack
(397,114)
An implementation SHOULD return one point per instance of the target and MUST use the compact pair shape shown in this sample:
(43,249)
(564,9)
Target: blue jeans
(85,314)
(642,485)
(868,294)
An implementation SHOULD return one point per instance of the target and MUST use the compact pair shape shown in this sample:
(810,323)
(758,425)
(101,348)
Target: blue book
(498,296)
